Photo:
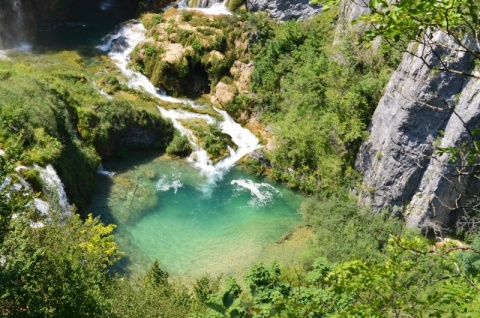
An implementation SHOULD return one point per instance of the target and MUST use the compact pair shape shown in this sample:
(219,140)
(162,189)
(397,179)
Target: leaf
(235,314)
(216,307)
(227,300)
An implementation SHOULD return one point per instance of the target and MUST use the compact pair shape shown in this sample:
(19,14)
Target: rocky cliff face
(402,169)
(284,9)
(352,9)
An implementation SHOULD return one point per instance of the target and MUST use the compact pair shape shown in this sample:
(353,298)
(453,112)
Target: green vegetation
(317,97)
(180,146)
(234,5)
(211,138)
(188,53)
(50,112)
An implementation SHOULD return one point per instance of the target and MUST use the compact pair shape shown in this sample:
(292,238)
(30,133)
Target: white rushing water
(104,172)
(206,6)
(54,187)
(12,20)
(262,193)
(167,182)
(120,45)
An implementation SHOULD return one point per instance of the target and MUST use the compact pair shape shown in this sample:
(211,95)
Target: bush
(319,106)
(346,232)
(234,5)
(179,146)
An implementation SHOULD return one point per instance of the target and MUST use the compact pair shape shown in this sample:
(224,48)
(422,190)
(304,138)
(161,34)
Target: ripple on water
(163,213)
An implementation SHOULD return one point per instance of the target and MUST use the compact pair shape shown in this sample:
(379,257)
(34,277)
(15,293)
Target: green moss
(199,35)
(49,101)
(179,146)
(234,5)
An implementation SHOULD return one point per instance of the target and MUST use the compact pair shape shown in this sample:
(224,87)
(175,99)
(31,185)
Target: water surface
(167,210)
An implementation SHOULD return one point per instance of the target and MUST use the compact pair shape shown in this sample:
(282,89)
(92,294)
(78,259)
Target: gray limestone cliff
(422,109)
(352,9)
(284,9)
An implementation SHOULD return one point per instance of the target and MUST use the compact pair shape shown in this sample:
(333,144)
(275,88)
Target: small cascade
(120,44)
(14,31)
(101,171)
(199,157)
(53,187)
(213,7)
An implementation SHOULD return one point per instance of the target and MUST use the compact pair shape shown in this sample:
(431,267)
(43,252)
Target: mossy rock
(188,56)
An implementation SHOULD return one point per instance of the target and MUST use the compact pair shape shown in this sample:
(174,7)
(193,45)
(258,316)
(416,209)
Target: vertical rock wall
(402,170)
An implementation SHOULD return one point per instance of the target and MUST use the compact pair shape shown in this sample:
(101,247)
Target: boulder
(284,9)
(224,93)
(242,74)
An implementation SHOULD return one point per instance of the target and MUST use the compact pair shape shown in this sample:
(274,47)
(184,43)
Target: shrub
(179,146)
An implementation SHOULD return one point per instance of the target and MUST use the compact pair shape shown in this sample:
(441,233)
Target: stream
(192,215)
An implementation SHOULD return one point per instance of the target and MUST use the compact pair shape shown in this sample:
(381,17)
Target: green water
(166,210)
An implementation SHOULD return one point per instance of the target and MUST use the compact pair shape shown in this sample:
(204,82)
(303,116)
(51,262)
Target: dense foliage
(318,97)
(51,112)
(187,54)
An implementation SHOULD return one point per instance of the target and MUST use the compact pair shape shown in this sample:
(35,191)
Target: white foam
(41,206)
(104,172)
(167,182)
(54,186)
(262,193)
(105,5)
(23,47)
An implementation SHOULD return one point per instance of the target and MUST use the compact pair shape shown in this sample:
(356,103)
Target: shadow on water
(89,22)
(103,192)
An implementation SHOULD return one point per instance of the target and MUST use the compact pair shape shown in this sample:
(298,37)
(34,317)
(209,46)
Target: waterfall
(101,171)
(53,187)
(106,4)
(14,31)
(120,44)
(214,7)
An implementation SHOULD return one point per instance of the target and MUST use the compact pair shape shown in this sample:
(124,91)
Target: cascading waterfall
(202,3)
(206,6)
(13,28)
(196,217)
(120,44)
(53,186)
